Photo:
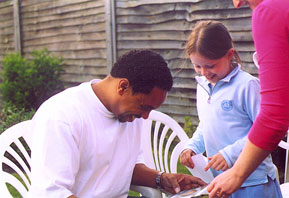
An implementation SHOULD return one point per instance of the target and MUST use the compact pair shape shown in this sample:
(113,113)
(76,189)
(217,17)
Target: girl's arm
(196,143)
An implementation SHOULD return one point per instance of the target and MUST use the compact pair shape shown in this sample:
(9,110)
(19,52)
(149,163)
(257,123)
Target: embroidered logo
(227,105)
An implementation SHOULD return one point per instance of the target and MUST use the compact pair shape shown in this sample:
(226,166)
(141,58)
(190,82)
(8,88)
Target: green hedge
(27,83)
(11,115)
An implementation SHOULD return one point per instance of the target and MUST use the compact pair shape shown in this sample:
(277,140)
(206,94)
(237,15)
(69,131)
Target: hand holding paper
(201,162)
(217,162)
(197,192)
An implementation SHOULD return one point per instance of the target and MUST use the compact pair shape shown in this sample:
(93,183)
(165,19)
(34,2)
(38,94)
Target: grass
(14,193)
(133,194)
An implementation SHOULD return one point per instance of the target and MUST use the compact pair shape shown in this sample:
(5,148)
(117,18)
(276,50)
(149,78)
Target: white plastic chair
(285,186)
(255,60)
(163,139)
(161,136)
(284,145)
(15,159)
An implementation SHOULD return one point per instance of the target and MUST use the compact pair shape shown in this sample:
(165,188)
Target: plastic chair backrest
(285,145)
(255,60)
(285,186)
(163,139)
(15,158)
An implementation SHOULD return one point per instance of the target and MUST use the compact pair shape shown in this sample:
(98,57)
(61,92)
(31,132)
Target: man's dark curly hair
(144,69)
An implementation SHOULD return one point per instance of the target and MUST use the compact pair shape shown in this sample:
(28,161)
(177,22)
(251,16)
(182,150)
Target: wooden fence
(73,29)
(91,34)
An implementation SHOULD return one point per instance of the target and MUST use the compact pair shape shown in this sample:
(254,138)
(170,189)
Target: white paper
(202,192)
(196,192)
(200,163)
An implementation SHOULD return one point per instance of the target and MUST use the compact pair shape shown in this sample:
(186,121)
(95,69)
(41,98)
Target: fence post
(110,34)
(17,32)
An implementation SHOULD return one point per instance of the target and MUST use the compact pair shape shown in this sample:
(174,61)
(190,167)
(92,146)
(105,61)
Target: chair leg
(277,173)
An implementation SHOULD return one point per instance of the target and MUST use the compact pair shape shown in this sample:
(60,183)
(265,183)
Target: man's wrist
(158,180)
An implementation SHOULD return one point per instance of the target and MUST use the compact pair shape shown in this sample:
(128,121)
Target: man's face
(239,3)
(251,3)
(139,105)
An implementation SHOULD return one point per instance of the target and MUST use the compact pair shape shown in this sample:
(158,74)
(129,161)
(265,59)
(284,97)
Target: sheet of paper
(196,192)
(204,191)
(200,162)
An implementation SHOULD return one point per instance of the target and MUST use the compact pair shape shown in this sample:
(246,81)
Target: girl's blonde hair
(211,39)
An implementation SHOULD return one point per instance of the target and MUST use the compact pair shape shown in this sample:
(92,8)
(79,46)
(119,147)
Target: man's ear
(123,86)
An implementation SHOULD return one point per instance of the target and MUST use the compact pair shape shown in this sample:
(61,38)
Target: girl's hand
(217,162)
(185,158)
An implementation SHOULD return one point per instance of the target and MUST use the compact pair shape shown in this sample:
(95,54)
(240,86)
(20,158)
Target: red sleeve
(270,23)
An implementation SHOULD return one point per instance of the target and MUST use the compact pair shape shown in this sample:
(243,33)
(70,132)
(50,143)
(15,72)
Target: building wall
(6,28)
(73,29)
(78,31)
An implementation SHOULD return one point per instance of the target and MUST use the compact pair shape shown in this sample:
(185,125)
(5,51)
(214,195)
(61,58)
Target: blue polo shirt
(226,112)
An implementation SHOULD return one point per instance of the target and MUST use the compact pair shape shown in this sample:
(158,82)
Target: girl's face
(214,70)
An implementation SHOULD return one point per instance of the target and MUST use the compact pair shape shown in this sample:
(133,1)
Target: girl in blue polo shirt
(227,103)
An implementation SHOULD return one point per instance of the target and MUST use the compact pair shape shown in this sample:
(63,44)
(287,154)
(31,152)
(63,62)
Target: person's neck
(101,90)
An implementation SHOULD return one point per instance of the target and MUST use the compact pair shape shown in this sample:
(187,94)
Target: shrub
(11,115)
(189,128)
(27,84)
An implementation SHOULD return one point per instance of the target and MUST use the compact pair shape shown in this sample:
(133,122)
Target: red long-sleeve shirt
(270,22)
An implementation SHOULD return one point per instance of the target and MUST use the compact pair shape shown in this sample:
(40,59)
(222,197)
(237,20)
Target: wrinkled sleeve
(55,159)
(270,31)
(196,143)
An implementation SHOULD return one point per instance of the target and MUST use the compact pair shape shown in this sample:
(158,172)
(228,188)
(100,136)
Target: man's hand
(217,162)
(185,158)
(174,183)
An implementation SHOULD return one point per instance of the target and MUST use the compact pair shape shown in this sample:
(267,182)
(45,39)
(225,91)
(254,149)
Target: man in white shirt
(87,140)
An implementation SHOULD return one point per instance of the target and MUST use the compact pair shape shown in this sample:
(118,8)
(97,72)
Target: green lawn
(12,190)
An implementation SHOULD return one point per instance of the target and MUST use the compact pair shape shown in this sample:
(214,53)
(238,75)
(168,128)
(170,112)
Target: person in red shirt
(270,26)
